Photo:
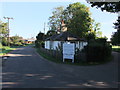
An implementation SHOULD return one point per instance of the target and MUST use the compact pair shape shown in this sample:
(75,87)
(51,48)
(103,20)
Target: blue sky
(29,17)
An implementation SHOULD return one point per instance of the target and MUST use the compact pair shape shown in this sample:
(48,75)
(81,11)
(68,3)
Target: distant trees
(16,40)
(113,7)
(115,39)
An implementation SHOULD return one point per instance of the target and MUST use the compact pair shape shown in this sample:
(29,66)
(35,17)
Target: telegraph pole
(8,18)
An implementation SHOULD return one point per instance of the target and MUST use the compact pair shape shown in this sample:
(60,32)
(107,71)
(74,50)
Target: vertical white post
(63,59)
(73,60)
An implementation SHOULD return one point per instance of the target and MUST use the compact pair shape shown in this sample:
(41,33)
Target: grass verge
(51,58)
(116,48)
(6,49)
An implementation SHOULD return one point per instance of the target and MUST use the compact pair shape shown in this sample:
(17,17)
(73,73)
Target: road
(25,68)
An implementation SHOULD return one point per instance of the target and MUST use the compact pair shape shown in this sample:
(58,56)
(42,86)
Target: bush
(39,44)
(97,51)
(101,41)
(18,44)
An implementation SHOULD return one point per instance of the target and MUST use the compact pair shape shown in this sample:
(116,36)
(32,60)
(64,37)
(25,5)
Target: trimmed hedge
(97,51)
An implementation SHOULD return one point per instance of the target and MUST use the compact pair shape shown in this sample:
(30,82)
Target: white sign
(68,51)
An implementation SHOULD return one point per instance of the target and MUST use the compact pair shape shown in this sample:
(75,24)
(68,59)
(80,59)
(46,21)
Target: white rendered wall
(47,44)
(54,44)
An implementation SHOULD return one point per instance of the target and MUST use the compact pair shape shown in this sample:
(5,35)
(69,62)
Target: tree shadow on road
(28,71)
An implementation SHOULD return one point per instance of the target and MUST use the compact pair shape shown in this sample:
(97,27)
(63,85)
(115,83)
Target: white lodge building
(56,41)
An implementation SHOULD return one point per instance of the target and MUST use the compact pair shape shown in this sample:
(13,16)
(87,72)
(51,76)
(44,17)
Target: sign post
(68,51)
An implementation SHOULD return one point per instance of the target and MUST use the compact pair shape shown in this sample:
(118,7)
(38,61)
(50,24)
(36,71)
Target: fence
(53,53)
(79,56)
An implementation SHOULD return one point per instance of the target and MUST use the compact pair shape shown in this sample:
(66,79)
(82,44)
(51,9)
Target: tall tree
(55,19)
(96,30)
(77,19)
(3,33)
(115,39)
(113,7)
(3,29)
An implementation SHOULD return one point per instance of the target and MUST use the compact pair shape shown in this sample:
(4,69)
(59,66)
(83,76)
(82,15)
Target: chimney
(63,26)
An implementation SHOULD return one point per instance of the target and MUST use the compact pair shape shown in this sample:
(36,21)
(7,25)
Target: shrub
(97,51)
(39,44)
(101,41)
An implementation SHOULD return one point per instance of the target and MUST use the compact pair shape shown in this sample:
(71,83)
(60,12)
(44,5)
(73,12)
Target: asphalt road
(26,69)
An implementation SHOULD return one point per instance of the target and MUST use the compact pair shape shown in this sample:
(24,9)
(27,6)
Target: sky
(30,16)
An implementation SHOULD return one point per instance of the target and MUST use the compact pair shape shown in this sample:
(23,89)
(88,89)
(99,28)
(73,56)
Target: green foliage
(16,41)
(55,19)
(3,33)
(3,29)
(39,44)
(4,41)
(96,30)
(98,34)
(90,36)
(110,7)
(115,39)
(77,19)
(22,41)
(107,6)
(40,36)
(18,44)
(50,33)
(5,49)
(97,50)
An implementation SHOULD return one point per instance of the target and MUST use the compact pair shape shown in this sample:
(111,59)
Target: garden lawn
(116,48)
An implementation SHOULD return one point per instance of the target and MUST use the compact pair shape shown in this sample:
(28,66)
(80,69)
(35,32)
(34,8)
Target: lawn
(116,48)
(7,49)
